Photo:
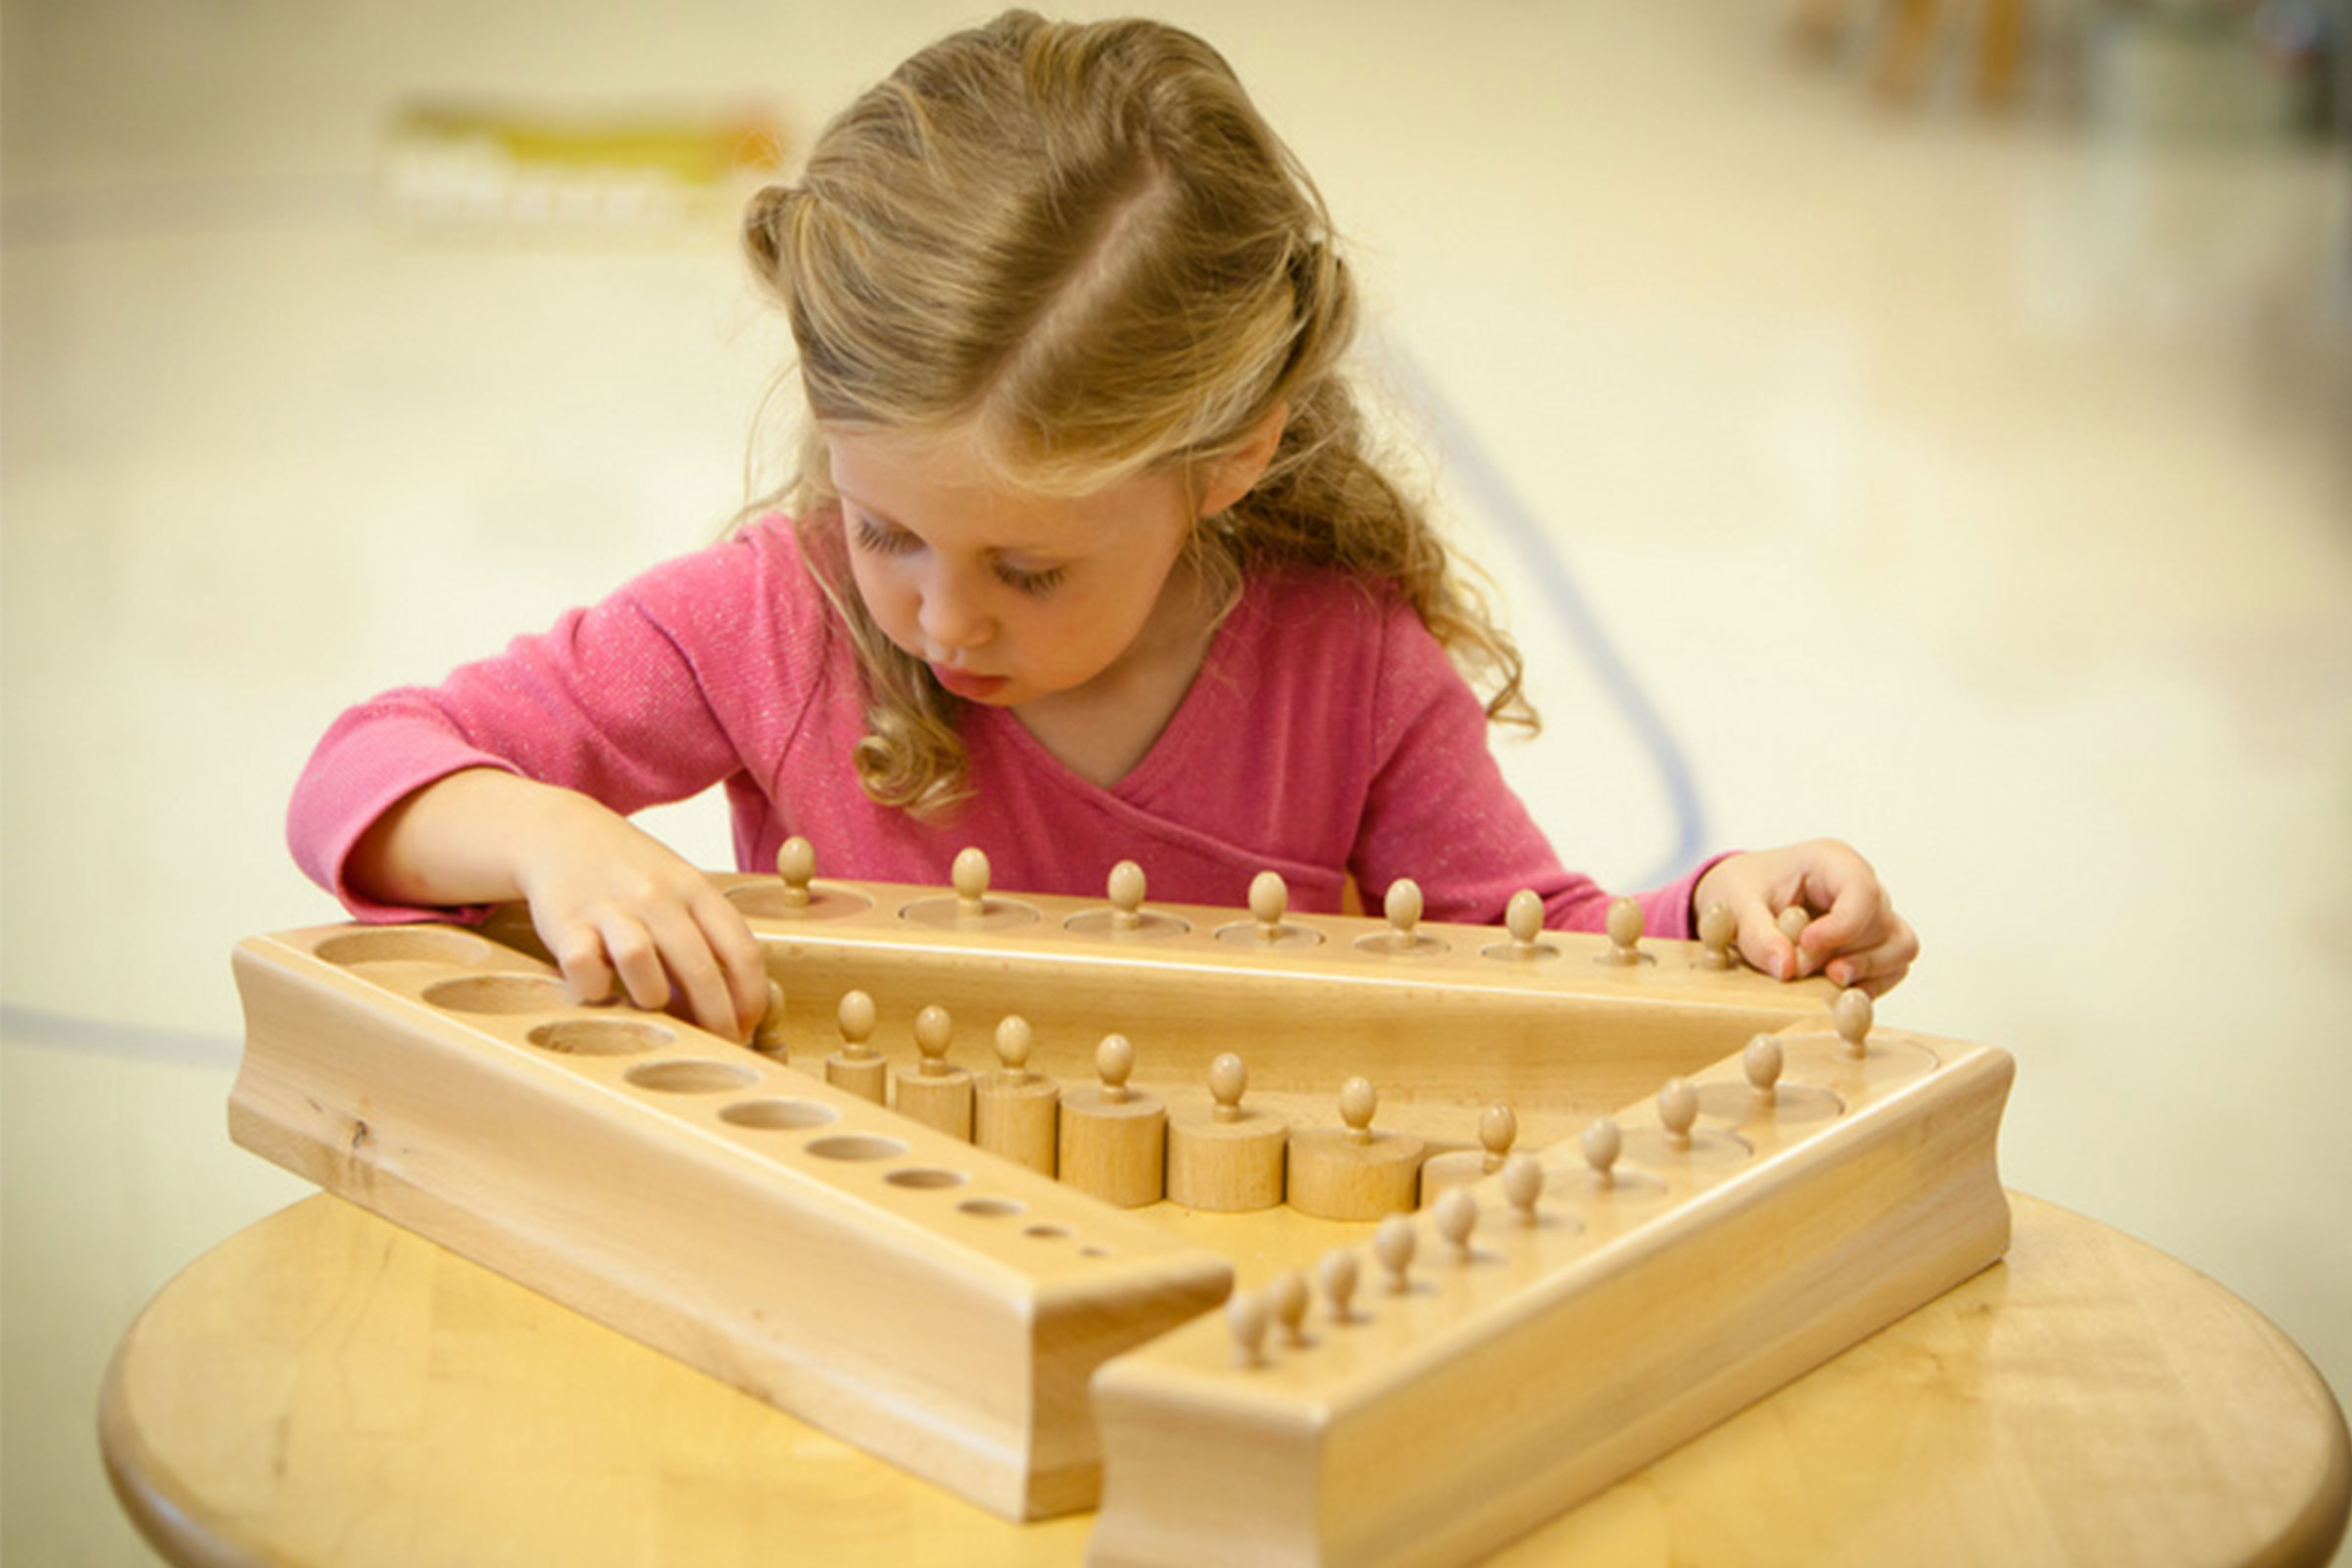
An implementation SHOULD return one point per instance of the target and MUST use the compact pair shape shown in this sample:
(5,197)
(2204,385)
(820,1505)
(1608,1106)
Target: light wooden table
(326,1389)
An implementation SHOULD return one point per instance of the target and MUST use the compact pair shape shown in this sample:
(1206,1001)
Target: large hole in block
(404,945)
(767,900)
(600,1037)
(500,993)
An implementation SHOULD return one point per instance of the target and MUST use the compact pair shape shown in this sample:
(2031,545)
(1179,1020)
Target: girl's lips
(966,685)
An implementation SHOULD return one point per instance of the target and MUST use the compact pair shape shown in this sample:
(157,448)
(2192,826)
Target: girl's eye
(883,541)
(1038,583)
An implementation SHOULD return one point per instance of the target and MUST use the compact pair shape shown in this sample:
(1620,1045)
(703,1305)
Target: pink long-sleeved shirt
(1327,735)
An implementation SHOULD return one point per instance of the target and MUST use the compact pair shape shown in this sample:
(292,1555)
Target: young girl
(1085,560)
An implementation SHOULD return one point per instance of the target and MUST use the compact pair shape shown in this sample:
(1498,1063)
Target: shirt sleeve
(1440,812)
(615,701)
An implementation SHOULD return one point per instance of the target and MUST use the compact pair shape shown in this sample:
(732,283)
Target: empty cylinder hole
(926,1178)
(779,1115)
(600,1037)
(692,1077)
(856,1147)
(404,945)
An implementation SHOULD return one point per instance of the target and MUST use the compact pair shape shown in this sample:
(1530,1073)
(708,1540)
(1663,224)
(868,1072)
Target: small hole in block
(991,1207)
(856,1147)
(600,1037)
(781,1115)
(692,1077)
(926,1178)
(1049,1233)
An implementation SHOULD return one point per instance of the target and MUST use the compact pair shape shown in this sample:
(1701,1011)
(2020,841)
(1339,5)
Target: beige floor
(1977,490)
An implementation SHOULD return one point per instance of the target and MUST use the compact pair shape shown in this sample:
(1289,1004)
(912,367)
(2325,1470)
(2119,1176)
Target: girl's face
(1009,596)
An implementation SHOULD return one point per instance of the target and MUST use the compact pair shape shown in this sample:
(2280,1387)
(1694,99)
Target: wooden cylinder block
(1114,1139)
(1016,1112)
(1354,1172)
(943,1101)
(855,1069)
(1225,1157)
(867,1076)
(1019,1120)
(936,1093)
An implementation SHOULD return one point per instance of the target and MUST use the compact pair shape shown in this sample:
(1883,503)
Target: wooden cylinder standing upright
(855,1068)
(1226,1158)
(936,1093)
(1016,1112)
(1354,1172)
(1113,1138)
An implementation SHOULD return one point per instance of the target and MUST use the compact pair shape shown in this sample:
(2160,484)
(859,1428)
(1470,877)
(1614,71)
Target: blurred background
(1928,425)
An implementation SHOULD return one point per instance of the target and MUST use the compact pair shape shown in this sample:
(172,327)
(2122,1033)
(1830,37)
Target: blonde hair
(1083,243)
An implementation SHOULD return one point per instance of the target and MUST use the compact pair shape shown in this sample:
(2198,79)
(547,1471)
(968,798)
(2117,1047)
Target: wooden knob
(1395,1244)
(1228,1080)
(1677,1110)
(1852,1014)
(1269,902)
(1403,906)
(969,878)
(1126,893)
(1497,1130)
(1358,1099)
(1114,1061)
(795,863)
(1523,917)
(1014,1039)
(934,1032)
(1763,1061)
(1718,930)
(1289,1296)
(1456,1217)
(1246,1316)
(1602,1142)
(856,1017)
(1338,1274)
(1793,922)
(1625,931)
(1523,1185)
(768,1037)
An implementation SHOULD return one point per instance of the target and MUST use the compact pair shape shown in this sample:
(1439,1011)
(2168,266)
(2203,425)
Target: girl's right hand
(612,903)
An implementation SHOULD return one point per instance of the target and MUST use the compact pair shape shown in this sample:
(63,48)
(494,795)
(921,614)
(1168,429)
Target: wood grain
(326,1390)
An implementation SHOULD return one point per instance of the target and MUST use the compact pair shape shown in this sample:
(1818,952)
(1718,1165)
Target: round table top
(327,1389)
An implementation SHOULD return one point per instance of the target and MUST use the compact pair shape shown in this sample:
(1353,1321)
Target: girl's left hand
(1854,936)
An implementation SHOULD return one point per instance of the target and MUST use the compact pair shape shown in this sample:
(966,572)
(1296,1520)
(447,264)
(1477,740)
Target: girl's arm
(514,778)
(608,899)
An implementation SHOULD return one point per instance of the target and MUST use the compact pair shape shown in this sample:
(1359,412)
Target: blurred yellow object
(470,164)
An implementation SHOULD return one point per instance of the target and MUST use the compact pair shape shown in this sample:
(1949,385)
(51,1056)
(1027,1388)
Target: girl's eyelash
(892,540)
(883,541)
(1032,582)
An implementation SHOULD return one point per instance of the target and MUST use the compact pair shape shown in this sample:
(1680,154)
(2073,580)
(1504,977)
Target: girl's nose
(951,617)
